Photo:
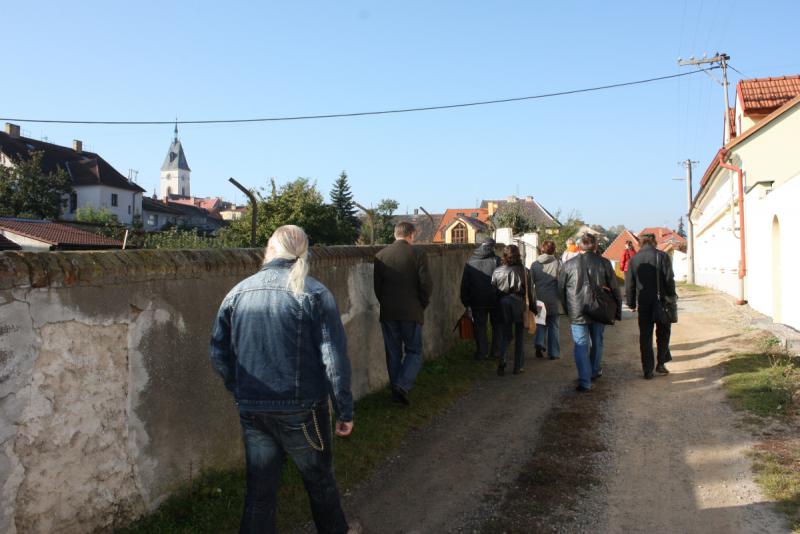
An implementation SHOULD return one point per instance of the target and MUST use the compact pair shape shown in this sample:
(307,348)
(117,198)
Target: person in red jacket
(626,256)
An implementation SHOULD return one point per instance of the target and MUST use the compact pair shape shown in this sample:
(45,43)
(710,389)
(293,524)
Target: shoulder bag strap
(658,275)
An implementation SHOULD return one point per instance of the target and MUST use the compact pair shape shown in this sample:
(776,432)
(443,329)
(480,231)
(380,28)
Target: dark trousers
(403,343)
(646,324)
(517,332)
(268,438)
(481,318)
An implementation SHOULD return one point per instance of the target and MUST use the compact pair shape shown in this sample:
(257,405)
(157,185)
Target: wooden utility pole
(722,61)
(688,163)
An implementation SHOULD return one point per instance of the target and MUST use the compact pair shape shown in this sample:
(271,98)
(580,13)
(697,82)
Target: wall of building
(129,203)
(108,401)
(26,242)
(768,156)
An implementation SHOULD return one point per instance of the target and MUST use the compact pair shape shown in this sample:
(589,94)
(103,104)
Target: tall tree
(296,202)
(681,229)
(342,200)
(25,190)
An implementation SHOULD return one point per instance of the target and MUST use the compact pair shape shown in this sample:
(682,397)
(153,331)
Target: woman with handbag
(510,280)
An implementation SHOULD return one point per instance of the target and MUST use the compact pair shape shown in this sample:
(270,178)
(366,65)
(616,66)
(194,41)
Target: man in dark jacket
(480,297)
(587,335)
(641,291)
(403,286)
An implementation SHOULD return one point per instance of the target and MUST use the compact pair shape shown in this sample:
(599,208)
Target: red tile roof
(481,214)
(617,247)
(59,235)
(761,96)
(663,235)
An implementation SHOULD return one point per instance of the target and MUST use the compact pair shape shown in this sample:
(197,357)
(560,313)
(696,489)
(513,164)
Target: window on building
(459,233)
(152,220)
(73,202)
(129,209)
(114,199)
(183,191)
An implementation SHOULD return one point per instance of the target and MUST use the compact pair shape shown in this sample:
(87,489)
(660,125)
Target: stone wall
(108,401)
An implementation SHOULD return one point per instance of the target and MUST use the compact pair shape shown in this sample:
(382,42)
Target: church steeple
(175,170)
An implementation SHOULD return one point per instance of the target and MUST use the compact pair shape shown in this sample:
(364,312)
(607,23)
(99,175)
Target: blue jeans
(549,333)
(403,343)
(580,337)
(596,331)
(268,438)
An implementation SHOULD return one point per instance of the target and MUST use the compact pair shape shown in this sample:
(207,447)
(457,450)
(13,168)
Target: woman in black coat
(509,280)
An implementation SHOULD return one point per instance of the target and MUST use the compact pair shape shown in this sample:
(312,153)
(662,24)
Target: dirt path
(670,455)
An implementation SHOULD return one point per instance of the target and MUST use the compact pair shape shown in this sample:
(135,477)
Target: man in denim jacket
(280,346)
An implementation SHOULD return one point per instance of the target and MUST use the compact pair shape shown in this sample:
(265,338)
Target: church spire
(175,140)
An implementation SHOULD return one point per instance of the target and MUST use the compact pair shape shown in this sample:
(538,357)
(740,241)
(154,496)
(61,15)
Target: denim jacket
(277,351)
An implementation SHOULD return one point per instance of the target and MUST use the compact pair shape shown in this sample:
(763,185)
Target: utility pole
(722,61)
(688,163)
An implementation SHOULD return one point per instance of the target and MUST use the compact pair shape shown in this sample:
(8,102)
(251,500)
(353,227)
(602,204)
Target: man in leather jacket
(640,291)
(587,335)
(480,297)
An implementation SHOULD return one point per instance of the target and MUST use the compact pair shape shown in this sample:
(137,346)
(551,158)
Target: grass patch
(766,384)
(777,467)
(214,503)
(691,287)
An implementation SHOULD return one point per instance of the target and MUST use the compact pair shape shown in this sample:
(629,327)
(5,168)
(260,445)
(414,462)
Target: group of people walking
(498,290)
(280,347)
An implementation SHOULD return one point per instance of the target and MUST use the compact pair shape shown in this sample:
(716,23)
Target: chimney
(529,199)
(12,130)
(77,145)
(416,211)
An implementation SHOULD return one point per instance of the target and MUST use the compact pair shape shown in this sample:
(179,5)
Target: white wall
(679,265)
(26,243)
(129,203)
(768,155)
(176,181)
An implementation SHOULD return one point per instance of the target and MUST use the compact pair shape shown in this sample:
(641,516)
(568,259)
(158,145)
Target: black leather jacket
(476,282)
(513,280)
(570,283)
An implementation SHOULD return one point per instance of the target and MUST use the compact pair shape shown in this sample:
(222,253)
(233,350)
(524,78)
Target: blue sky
(609,155)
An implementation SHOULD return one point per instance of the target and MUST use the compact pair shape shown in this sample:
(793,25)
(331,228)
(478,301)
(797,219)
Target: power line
(367,113)
(745,76)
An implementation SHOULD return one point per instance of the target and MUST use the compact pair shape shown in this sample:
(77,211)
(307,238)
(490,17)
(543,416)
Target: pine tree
(681,230)
(342,200)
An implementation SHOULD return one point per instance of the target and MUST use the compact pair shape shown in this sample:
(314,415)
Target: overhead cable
(364,113)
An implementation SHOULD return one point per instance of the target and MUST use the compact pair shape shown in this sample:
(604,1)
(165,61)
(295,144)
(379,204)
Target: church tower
(175,171)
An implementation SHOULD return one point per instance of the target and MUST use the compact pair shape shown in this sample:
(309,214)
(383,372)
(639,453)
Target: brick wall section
(108,401)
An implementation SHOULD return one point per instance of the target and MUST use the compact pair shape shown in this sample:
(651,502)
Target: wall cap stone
(116,267)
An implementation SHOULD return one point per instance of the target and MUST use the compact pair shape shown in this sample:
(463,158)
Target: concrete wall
(108,401)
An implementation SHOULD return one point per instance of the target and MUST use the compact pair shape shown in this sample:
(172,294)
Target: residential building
(158,215)
(424,224)
(529,206)
(38,235)
(95,182)
(747,202)
(614,251)
(462,225)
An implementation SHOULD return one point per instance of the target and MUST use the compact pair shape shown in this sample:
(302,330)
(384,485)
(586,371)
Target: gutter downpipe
(742,250)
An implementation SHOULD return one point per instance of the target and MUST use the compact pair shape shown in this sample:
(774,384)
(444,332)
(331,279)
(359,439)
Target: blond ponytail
(290,242)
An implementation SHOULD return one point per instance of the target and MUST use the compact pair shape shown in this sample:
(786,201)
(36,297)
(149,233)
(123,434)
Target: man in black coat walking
(403,287)
(641,291)
(478,294)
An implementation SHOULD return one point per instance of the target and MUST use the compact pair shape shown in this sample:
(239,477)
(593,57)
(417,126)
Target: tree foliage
(25,190)
(379,221)
(343,204)
(297,202)
(91,215)
(681,228)
(567,230)
(511,215)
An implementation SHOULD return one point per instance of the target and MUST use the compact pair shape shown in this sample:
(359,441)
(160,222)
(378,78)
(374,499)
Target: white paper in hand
(541,317)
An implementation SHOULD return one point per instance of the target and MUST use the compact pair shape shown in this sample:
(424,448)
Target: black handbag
(666,309)
(598,302)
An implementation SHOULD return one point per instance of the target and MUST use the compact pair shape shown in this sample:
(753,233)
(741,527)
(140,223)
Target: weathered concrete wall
(107,398)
